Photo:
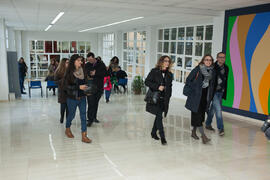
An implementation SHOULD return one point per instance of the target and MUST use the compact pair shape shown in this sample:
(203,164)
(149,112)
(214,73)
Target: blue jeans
(72,106)
(217,110)
(107,94)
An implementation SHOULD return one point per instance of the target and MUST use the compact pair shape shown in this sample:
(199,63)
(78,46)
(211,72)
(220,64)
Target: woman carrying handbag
(159,80)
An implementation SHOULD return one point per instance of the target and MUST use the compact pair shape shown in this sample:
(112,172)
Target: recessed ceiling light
(115,23)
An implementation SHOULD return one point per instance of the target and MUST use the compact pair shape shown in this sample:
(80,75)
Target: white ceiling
(36,15)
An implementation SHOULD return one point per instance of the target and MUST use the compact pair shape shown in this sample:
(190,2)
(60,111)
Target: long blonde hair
(161,61)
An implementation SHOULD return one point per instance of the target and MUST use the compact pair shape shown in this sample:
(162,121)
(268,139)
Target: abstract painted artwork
(248,58)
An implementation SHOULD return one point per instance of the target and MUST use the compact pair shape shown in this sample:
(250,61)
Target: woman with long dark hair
(160,80)
(199,89)
(74,85)
(62,97)
(22,73)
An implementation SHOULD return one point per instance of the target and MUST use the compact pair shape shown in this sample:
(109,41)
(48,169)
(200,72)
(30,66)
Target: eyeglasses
(222,57)
(166,61)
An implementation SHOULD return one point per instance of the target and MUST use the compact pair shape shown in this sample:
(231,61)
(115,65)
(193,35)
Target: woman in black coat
(160,79)
(199,89)
(59,78)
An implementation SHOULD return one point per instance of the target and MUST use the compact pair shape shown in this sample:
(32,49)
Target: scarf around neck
(207,73)
(78,73)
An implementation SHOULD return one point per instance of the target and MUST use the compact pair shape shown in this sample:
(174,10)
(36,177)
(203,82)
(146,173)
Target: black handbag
(152,97)
(91,88)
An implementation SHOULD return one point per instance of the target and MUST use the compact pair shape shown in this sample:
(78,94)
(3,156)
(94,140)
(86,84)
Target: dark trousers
(21,78)
(158,124)
(116,88)
(53,90)
(197,118)
(63,109)
(124,87)
(93,101)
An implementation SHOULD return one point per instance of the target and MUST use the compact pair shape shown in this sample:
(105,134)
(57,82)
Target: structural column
(4,88)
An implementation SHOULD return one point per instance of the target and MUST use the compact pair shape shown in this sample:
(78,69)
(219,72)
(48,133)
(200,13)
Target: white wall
(60,36)
(18,44)
(100,46)
(4,88)
(218,33)
(11,39)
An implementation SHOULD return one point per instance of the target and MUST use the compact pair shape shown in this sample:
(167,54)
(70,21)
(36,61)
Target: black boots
(193,134)
(61,120)
(154,136)
(163,141)
(162,137)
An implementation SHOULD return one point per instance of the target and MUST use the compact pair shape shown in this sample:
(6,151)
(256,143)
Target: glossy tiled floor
(33,145)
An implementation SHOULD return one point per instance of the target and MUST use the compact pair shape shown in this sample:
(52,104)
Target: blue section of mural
(256,31)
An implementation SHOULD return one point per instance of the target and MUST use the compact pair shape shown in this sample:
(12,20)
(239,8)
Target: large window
(134,47)
(108,47)
(186,46)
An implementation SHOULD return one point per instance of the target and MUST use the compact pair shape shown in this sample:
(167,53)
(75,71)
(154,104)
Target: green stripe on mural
(230,88)
(269,103)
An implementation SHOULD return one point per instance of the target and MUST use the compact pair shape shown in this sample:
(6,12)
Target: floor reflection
(33,144)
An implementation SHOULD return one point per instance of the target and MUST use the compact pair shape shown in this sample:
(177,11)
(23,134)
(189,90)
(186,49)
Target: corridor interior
(33,144)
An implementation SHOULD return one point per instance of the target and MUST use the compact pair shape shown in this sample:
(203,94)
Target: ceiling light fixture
(115,23)
(48,27)
(57,17)
(55,20)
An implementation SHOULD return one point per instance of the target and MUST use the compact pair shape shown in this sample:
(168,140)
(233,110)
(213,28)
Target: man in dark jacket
(220,93)
(95,71)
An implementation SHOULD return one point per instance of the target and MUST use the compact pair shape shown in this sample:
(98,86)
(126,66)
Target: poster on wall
(247,47)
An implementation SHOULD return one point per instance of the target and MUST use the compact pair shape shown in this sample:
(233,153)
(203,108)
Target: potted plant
(137,85)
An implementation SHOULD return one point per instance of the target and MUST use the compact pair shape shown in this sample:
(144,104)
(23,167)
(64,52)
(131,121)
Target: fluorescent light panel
(48,27)
(55,20)
(115,23)
(57,17)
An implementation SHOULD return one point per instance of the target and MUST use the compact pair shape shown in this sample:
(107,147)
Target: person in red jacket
(107,86)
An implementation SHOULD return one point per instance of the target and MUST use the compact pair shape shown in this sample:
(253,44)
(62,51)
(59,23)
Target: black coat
(153,81)
(98,78)
(193,89)
(226,75)
(59,80)
(22,69)
(71,87)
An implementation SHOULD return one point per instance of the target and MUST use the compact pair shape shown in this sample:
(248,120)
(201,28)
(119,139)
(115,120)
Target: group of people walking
(205,88)
(81,83)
